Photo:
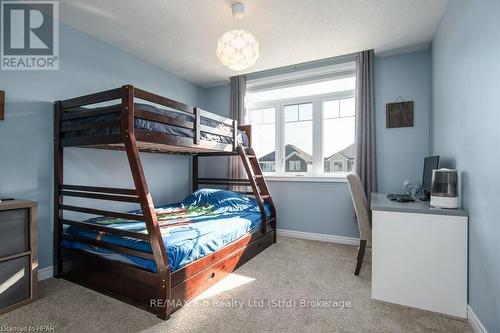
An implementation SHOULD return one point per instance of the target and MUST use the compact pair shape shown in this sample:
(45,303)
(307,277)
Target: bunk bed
(131,255)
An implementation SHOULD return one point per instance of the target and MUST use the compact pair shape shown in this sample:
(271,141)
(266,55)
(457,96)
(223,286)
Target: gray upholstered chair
(363,216)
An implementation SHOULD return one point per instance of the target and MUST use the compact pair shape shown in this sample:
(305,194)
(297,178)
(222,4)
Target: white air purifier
(444,189)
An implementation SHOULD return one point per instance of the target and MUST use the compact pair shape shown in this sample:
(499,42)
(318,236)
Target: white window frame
(295,163)
(266,163)
(317,172)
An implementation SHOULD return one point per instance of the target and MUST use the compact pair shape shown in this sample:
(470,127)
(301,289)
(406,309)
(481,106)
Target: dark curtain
(237,111)
(366,166)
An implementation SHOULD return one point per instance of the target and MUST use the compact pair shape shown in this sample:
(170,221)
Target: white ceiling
(181,35)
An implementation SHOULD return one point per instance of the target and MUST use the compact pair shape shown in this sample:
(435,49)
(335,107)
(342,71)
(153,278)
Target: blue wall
(466,116)
(323,208)
(401,151)
(326,207)
(87,65)
(216,99)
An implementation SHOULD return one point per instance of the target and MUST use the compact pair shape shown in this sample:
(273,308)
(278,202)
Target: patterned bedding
(201,224)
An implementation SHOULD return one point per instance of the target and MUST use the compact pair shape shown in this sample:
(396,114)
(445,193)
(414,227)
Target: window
(298,136)
(264,136)
(306,126)
(294,165)
(350,166)
(267,166)
(338,134)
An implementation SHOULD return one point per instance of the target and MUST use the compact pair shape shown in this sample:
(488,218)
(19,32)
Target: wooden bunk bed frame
(164,291)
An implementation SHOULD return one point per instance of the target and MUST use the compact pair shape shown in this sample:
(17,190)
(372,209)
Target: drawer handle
(211,276)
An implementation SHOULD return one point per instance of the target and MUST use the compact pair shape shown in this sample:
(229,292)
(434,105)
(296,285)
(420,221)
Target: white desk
(419,255)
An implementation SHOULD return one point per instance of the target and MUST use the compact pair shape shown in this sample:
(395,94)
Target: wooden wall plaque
(399,114)
(2,103)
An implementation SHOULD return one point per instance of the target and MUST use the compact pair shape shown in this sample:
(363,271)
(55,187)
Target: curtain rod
(302,66)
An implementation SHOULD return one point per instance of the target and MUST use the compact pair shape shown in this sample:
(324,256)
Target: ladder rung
(258,176)
(265,196)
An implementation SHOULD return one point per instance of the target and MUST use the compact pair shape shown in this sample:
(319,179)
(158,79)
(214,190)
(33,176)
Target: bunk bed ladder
(258,184)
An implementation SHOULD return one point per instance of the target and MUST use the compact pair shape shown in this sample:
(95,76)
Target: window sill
(314,179)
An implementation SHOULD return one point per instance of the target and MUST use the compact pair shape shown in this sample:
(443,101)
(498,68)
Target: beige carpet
(255,298)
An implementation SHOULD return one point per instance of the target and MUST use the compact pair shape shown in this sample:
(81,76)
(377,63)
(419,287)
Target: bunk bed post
(146,201)
(194,164)
(235,134)
(58,180)
(194,175)
(196,126)
(248,131)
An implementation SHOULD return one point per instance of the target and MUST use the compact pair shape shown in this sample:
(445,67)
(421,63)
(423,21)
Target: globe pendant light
(237,49)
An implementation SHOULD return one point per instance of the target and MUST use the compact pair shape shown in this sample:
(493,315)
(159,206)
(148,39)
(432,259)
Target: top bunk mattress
(68,121)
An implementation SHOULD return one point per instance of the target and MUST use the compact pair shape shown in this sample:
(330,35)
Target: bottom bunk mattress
(201,224)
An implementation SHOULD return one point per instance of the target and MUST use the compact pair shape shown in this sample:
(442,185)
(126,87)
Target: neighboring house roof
(348,153)
(289,150)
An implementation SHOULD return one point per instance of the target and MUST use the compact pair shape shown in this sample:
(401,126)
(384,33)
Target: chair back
(360,206)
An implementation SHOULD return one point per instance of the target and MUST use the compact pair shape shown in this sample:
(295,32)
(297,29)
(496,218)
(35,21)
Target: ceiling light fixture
(237,49)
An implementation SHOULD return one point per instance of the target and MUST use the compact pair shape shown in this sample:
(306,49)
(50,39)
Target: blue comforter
(204,222)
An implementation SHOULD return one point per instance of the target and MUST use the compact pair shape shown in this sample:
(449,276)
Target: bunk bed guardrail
(70,106)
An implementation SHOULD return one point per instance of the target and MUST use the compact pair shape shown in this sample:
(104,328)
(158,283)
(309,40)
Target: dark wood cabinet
(18,254)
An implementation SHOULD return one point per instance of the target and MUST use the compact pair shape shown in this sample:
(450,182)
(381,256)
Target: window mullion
(282,138)
(317,166)
(279,139)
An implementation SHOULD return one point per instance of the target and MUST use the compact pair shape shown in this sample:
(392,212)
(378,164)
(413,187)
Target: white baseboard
(45,273)
(474,321)
(318,237)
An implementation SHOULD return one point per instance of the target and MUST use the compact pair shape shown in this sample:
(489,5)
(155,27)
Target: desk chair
(363,216)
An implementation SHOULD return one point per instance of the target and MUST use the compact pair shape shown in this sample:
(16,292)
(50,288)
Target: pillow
(222,200)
